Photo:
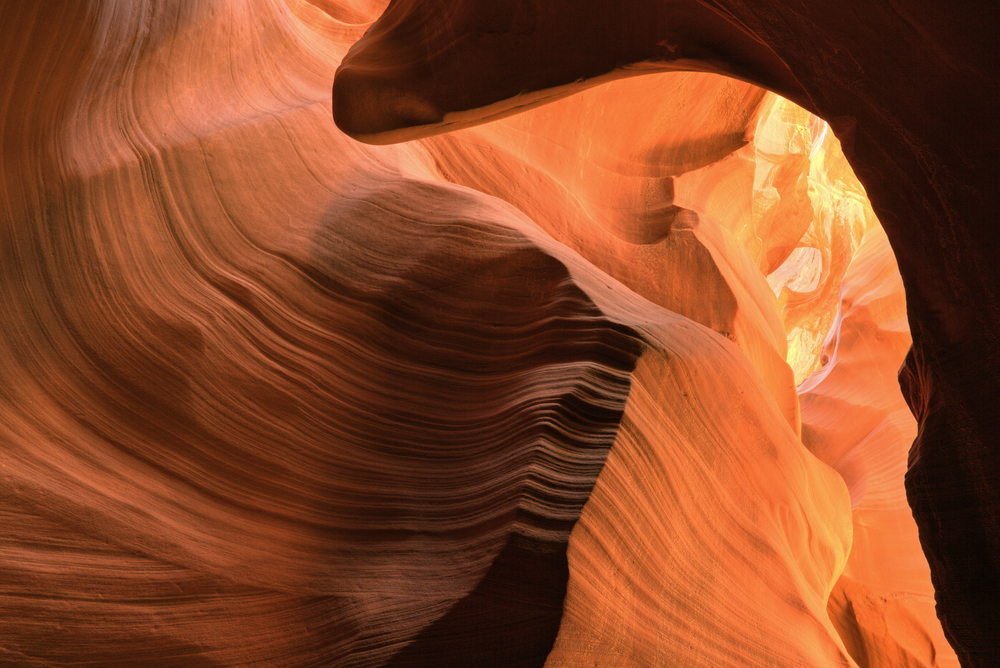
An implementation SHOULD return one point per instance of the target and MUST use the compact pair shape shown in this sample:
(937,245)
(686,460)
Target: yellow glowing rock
(515,396)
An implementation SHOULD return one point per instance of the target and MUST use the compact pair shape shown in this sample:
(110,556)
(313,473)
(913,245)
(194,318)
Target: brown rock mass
(910,90)
(607,382)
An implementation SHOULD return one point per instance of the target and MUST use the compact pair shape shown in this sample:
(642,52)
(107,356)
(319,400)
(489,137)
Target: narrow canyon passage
(770,241)
(611,381)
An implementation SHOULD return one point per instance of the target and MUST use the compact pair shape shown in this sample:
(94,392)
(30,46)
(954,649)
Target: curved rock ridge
(705,541)
(785,187)
(513,396)
(265,404)
(855,419)
(912,93)
(585,184)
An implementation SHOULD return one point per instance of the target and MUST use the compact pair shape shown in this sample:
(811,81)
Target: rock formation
(607,382)
(910,91)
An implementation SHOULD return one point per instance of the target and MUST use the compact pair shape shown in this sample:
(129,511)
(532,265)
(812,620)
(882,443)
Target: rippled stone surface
(590,384)
(912,93)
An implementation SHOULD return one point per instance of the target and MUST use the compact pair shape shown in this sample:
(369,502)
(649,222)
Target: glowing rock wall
(912,92)
(518,395)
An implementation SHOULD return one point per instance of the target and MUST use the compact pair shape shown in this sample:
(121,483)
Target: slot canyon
(562,333)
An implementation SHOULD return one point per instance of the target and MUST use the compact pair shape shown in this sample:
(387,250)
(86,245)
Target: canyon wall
(611,381)
(910,91)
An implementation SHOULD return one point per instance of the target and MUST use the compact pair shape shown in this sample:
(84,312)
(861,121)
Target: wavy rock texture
(638,203)
(270,398)
(816,205)
(514,396)
(855,419)
(912,92)
(702,542)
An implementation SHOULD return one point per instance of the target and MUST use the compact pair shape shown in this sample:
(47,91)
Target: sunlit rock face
(855,420)
(776,198)
(609,382)
(889,80)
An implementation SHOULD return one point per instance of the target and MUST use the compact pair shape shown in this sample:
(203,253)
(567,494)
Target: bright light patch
(799,273)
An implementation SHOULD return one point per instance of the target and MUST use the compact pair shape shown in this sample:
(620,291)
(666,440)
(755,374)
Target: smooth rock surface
(911,91)
(519,395)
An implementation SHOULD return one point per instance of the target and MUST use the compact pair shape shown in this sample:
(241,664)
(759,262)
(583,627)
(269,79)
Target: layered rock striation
(611,381)
(910,91)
